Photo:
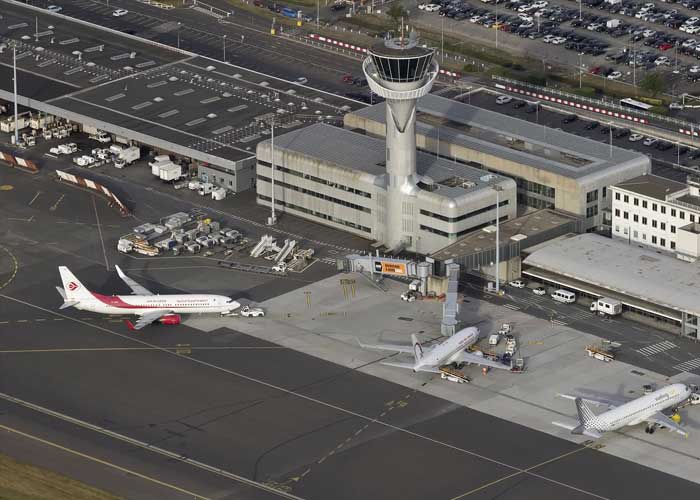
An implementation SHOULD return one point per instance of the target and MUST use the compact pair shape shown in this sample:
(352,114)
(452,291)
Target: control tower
(400,71)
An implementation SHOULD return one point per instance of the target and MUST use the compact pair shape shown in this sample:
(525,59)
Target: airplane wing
(577,427)
(409,366)
(468,357)
(136,289)
(148,318)
(609,403)
(388,347)
(664,421)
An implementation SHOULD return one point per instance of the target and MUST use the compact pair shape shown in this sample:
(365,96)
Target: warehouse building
(337,177)
(552,168)
(649,284)
(659,213)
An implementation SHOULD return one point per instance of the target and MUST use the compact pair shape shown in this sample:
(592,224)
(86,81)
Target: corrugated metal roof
(596,153)
(627,269)
(347,149)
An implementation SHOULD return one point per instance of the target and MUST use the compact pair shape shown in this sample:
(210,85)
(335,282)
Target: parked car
(120,12)
(517,284)
(592,124)
(503,99)
(54,8)
(650,141)
(539,291)
(635,137)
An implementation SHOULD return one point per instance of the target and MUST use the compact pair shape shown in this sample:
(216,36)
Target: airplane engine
(170,319)
(651,428)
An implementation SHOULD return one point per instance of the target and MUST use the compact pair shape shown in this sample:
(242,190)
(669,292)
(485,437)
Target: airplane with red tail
(149,307)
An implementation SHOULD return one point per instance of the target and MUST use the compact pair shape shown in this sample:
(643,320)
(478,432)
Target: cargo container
(170,172)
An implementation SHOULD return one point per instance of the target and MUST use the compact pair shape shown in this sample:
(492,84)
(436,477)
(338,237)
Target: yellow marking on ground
(55,205)
(6,187)
(102,462)
(15,266)
(524,471)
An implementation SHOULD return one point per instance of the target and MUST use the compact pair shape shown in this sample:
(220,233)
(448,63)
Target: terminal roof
(652,186)
(622,268)
(346,149)
(494,133)
(523,228)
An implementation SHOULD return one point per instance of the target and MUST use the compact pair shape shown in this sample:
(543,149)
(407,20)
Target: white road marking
(656,348)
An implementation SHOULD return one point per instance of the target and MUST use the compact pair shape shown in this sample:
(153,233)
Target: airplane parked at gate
(621,413)
(451,351)
(149,307)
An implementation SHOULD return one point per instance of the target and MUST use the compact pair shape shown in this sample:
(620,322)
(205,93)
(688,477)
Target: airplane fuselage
(141,304)
(450,349)
(638,411)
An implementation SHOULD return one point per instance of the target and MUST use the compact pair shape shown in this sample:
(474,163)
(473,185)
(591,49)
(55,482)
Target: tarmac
(556,363)
(207,410)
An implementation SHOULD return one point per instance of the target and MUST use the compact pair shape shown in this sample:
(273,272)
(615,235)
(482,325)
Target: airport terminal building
(648,283)
(552,168)
(337,177)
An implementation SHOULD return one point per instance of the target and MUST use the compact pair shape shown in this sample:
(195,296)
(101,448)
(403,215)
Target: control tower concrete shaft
(401,72)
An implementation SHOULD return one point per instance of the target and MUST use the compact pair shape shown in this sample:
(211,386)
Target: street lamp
(178,33)
(224,48)
(498,189)
(14,80)
(273,218)
(580,70)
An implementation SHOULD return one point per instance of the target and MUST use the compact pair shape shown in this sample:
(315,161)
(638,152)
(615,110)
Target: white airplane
(451,351)
(149,307)
(647,408)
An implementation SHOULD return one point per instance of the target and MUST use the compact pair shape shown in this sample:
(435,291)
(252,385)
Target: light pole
(498,189)
(224,48)
(178,33)
(273,218)
(580,70)
(318,15)
(610,126)
(14,80)
(678,145)
(580,10)
(442,40)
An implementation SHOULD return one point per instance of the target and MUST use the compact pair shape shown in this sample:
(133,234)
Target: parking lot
(666,156)
(621,41)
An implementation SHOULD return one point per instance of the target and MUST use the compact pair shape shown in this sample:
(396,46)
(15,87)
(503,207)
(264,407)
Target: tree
(653,83)
(396,11)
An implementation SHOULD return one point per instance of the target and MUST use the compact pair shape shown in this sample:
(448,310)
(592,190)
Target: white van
(564,296)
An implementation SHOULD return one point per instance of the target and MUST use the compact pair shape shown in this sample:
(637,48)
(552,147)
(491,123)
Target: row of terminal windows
(465,216)
(535,188)
(654,207)
(654,239)
(654,222)
(317,195)
(460,233)
(316,214)
(532,202)
(317,179)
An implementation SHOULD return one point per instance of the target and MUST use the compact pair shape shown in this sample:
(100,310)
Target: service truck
(127,156)
(101,136)
(206,188)
(606,306)
(169,171)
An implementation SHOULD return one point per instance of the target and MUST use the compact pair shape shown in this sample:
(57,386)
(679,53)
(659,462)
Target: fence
(21,163)
(94,186)
(641,116)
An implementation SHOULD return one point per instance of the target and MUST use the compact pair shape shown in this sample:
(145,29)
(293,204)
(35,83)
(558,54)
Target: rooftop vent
(457,181)
(487,178)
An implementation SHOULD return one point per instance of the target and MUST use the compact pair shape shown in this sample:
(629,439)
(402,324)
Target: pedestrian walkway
(656,348)
(688,366)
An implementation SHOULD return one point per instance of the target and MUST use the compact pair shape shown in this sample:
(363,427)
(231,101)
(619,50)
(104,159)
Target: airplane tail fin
(417,348)
(73,289)
(585,414)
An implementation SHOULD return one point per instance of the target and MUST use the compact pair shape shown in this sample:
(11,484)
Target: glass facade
(396,69)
